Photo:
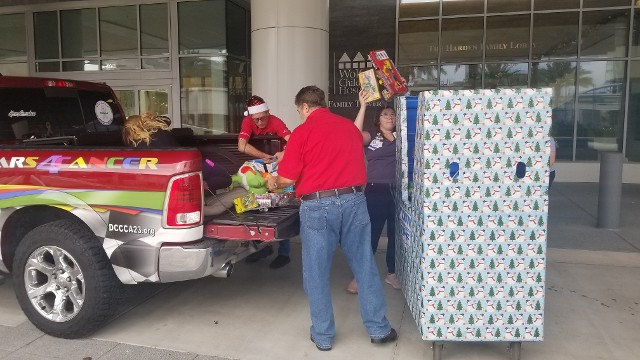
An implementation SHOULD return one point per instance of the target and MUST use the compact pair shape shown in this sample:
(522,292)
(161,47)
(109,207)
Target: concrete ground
(592,307)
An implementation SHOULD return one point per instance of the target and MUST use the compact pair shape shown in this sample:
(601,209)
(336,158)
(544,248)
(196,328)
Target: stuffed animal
(251,179)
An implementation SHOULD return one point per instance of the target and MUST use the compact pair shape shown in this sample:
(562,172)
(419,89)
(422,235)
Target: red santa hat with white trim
(255,105)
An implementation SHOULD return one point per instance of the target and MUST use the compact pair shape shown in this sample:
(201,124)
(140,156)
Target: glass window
(604,33)
(417,41)
(88,100)
(508,37)
(501,6)
(459,77)
(203,94)
(15,69)
(46,35)
(604,3)
(78,33)
(201,27)
(467,7)
(32,101)
(154,101)
(237,92)
(118,31)
(418,8)
(420,78)
(127,99)
(555,35)
(462,39)
(633,119)
(81,65)
(237,30)
(561,77)
(56,112)
(635,35)
(120,64)
(555,4)
(506,75)
(600,108)
(13,42)
(156,63)
(48,66)
(154,29)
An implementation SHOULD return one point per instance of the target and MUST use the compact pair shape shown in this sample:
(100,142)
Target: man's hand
(269,159)
(362,96)
(279,155)
(272,183)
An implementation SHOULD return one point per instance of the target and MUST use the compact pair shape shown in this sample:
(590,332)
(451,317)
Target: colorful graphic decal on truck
(127,223)
(54,163)
(21,195)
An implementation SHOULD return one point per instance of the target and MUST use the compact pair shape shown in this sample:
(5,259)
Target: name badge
(375,144)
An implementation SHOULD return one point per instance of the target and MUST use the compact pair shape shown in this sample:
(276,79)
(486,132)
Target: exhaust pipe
(225,271)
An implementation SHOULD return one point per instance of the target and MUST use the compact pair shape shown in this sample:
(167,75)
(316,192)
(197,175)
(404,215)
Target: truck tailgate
(276,224)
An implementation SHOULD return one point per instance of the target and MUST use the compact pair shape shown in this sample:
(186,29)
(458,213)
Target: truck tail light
(183,204)
(59,83)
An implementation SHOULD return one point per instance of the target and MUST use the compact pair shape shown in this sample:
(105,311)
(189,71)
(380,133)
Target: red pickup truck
(81,215)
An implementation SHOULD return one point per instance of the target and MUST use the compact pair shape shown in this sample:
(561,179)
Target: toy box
(393,83)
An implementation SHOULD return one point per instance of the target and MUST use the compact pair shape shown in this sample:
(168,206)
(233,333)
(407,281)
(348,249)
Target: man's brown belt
(332,192)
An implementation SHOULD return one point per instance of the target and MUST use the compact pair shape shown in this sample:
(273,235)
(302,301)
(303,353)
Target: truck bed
(273,225)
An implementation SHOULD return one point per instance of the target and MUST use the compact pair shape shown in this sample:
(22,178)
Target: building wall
(586,51)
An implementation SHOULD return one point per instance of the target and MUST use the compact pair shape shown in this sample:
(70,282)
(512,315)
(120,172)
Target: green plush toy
(253,181)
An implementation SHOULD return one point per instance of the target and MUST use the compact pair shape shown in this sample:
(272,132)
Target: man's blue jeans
(342,221)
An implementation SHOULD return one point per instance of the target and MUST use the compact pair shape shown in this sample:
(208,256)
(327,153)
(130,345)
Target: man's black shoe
(391,336)
(279,262)
(260,254)
(320,347)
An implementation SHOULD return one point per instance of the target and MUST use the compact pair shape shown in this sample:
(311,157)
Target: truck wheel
(64,281)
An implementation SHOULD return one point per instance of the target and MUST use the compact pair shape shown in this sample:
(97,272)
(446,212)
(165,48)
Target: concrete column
(289,50)
(610,190)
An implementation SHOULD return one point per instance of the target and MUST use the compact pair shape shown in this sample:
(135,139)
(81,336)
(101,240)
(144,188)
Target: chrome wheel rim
(54,283)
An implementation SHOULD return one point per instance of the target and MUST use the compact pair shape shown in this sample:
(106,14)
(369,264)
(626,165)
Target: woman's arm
(359,121)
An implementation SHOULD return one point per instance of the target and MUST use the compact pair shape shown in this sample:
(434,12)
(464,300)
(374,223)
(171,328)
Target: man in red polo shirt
(258,121)
(325,160)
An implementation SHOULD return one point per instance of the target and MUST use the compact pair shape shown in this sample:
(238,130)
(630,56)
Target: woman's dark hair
(376,121)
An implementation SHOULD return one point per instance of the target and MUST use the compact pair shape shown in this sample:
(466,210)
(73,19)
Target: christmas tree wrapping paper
(471,249)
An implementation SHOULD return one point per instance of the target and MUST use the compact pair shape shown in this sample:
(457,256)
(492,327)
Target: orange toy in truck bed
(393,83)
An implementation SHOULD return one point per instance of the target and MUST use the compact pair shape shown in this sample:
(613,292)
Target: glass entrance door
(141,99)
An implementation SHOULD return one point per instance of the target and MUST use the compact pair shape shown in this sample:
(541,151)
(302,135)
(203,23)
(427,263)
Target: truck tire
(64,281)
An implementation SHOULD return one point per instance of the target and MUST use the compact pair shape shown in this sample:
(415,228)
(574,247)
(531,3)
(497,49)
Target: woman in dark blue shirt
(380,151)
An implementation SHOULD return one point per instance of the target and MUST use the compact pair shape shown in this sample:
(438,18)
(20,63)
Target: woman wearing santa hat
(258,121)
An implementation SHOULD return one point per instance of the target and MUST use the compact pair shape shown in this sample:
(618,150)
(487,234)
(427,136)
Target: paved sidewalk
(592,306)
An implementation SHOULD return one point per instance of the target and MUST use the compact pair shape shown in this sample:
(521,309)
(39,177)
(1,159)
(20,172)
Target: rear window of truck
(27,113)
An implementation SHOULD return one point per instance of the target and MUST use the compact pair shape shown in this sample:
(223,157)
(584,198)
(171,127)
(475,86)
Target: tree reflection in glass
(505,75)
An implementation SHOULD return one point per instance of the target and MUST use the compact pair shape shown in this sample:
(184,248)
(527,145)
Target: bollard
(609,190)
